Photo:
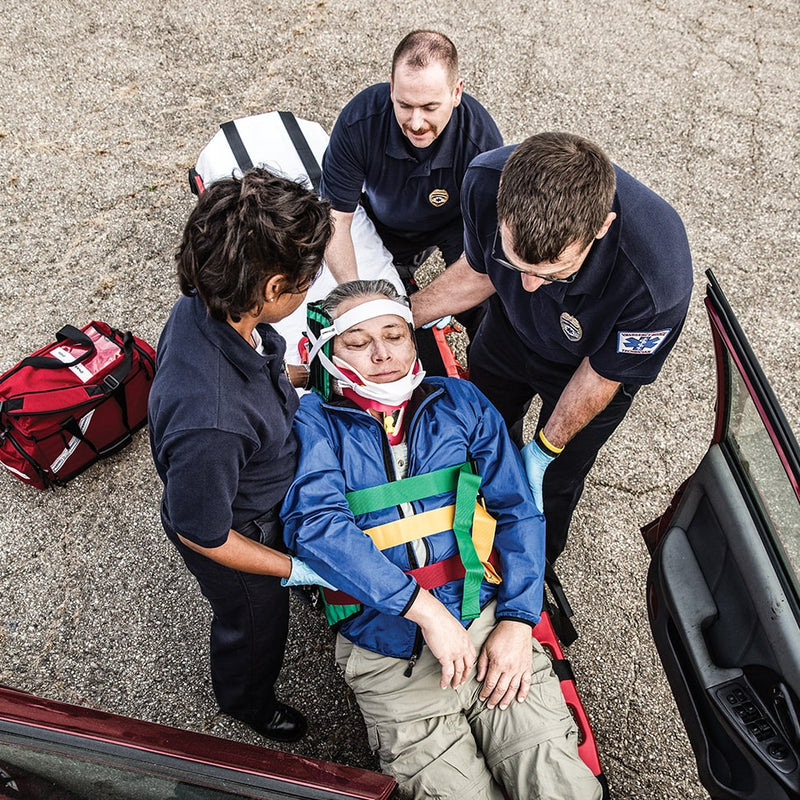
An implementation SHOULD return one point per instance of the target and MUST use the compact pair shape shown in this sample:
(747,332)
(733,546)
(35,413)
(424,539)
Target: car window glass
(760,461)
(28,771)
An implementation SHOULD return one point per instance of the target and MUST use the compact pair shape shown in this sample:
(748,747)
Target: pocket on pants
(373,737)
(545,683)
(266,529)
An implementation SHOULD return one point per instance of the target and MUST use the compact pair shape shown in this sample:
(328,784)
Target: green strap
(466,484)
(466,495)
(336,614)
(407,490)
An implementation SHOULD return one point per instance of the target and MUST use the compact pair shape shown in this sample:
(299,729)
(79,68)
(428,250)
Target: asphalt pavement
(103,108)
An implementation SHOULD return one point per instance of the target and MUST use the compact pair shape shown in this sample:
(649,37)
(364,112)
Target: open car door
(722,589)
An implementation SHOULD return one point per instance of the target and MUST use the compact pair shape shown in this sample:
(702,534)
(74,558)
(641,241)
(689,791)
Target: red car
(56,751)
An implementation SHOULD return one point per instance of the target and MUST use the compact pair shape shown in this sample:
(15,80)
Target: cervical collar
(389,394)
(390,413)
(387,398)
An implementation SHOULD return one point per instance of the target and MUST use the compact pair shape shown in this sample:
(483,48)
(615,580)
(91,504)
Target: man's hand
(583,398)
(536,462)
(504,664)
(458,288)
(439,324)
(445,636)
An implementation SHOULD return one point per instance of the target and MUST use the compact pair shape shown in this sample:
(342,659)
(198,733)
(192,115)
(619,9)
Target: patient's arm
(445,636)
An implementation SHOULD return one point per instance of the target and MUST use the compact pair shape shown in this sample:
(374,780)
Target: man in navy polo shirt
(402,148)
(589,274)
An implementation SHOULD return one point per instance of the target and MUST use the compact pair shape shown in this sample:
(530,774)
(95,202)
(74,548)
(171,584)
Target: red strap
(336,598)
(440,573)
(451,366)
(428,577)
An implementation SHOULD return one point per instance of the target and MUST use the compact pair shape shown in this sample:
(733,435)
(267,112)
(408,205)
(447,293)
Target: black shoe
(284,725)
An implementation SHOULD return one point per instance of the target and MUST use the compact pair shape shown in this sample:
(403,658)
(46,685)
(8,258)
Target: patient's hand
(504,664)
(446,637)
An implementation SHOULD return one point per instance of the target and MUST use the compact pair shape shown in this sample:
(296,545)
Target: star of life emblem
(642,343)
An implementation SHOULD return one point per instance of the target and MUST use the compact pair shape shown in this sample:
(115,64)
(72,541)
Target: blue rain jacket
(343,448)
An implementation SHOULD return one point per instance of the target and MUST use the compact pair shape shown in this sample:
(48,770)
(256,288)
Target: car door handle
(786,713)
(692,607)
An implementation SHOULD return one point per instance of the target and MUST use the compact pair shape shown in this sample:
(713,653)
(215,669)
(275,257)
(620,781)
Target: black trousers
(510,374)
(249,625)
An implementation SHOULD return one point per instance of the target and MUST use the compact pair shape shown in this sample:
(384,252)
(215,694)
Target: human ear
(606,225)
(273,288)
(458,92)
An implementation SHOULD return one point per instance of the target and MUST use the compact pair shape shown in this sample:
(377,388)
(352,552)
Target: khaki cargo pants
(447,744)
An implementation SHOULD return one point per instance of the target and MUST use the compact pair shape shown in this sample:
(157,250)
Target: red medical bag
(73,402)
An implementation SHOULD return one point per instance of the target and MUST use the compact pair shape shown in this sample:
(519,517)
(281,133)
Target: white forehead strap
(355,316)
(370,310)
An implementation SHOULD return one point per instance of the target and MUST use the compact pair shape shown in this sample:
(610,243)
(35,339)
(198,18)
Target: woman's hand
(505,664)
(303,575)
(445,636)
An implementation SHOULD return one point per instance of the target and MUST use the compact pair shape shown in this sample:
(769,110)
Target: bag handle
(67,333)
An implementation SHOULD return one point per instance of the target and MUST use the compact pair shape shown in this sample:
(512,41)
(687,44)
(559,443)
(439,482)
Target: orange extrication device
(587,744)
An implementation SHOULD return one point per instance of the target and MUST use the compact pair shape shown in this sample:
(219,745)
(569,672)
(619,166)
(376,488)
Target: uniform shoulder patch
(643,343)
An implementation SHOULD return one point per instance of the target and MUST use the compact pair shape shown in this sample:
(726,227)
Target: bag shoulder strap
(237,145)
(310,163)
(309,160)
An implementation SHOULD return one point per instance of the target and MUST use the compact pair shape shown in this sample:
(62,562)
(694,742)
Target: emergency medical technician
(401,149)
(589,275)
(220,421)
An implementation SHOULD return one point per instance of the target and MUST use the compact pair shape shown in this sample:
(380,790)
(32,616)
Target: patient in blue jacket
(436,597)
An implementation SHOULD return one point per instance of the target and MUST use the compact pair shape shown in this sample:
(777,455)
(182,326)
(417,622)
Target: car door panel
(723,588)
(729,658)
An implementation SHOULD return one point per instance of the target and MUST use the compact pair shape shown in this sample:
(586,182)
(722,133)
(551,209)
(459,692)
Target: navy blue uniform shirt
(629,299)
(410,190)
(220,418)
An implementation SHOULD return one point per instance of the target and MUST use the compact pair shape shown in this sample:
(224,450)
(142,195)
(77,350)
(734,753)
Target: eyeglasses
(548,278)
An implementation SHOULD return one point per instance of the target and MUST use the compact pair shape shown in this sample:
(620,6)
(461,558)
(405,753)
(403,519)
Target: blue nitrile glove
(440,323)
(303,575)
(537,455)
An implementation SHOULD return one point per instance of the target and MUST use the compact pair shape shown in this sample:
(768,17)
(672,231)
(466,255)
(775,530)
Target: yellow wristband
(549,448)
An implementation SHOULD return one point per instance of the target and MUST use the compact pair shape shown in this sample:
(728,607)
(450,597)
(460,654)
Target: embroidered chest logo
(438,197)
(641,343)
(571,327)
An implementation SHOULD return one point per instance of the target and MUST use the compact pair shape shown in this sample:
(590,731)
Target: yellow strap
(490,574)
(428,523)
